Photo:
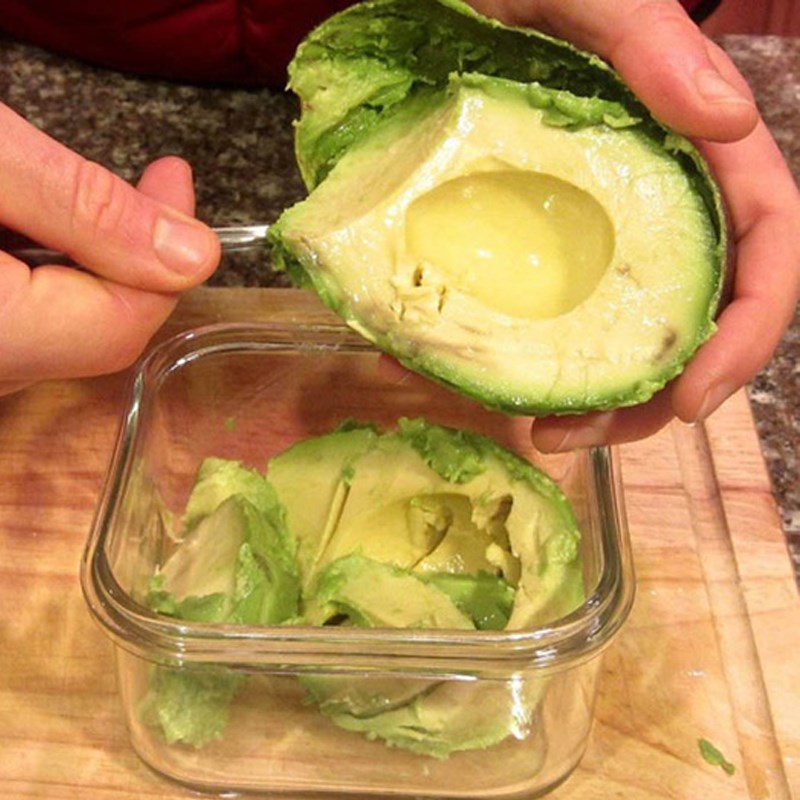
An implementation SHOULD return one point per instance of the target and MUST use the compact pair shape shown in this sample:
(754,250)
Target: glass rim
(570,640)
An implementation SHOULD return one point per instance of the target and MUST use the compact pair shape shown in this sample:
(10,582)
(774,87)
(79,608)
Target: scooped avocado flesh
(507,218)
(424,527)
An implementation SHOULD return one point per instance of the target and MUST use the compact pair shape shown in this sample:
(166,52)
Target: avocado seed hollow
(525,244)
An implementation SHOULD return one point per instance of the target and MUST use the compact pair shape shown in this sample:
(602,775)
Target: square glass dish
(247,393)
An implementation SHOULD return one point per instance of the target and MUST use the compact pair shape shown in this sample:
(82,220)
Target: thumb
(67,203)
(685,80)
(169,180)
(59,322)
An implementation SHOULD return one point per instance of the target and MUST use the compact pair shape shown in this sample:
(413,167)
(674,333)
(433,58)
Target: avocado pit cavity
(429,533)
(523,243)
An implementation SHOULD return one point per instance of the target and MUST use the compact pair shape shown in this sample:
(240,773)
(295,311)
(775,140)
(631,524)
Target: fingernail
(587,435)
(713,398)
(181,246)
(715,89)
(562,444)
(582,437)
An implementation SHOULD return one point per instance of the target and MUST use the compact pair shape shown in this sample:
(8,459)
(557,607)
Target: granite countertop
(240,143)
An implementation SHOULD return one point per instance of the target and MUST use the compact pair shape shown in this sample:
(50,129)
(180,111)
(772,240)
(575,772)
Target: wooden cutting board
(712,648)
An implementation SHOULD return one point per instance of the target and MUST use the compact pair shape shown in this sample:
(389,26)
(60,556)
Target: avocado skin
(377,56)
(421,43)
(397,47)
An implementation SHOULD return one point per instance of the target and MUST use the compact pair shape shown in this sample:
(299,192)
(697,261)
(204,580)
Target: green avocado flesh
(496,209)
(423,527)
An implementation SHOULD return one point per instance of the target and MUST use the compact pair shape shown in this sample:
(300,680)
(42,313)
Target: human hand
(690,84)
(141,247)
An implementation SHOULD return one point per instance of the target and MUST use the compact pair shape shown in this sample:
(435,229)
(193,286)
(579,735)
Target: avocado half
(497,210)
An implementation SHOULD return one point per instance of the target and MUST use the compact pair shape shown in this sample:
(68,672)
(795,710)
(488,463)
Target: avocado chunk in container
(422,527)
(497,210)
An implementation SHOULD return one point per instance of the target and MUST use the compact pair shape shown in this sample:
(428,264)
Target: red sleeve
(209,41)
(700,9)
(230,41)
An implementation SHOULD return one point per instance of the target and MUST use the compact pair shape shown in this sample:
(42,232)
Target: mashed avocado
(423,527)
(497,210)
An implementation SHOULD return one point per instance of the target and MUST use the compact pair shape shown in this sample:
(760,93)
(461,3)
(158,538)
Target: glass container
(247,393)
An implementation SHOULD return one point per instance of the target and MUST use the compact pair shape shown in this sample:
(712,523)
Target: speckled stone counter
(240,145)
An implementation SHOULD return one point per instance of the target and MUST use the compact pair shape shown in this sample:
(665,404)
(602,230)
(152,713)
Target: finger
(767,289)
(735,166)
(559,434)
(68,203)
(169,181)
(765,215)
(57,322)
(725,66)
(393,372)
(9,387)
(660,53)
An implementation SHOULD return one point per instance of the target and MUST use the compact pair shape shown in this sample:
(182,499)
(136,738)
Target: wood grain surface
(712,648)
